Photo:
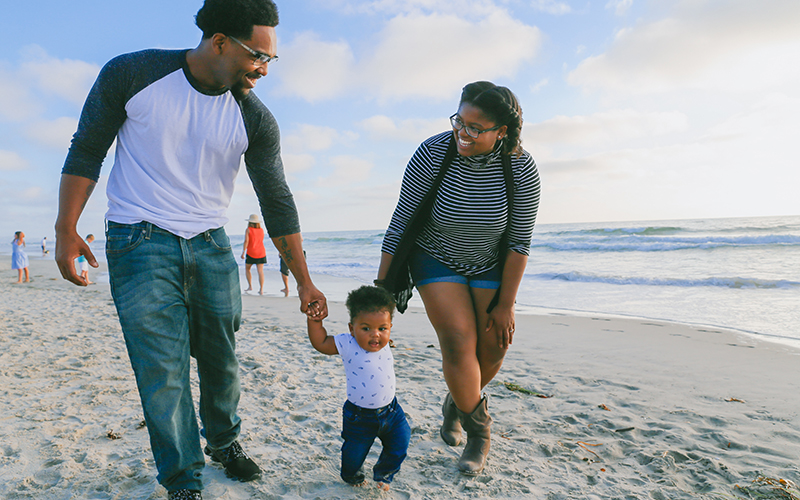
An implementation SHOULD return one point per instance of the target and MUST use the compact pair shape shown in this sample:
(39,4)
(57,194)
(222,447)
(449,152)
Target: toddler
(371,409)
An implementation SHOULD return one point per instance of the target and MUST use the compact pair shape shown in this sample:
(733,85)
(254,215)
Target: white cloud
(315,69)
(415,55)
(411,130)
(742,166)
(67,78)
(734,45)
(55,134)
(430,55)
(540,85)
(11,160)
(620,7)
(32,193)
(476,8)
(16,101)
(315,138)
(347,171)
(551,7)
(294,163)
(614,126)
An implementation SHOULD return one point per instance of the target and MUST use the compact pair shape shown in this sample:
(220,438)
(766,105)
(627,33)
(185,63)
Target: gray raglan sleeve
(101,118)
(265,168)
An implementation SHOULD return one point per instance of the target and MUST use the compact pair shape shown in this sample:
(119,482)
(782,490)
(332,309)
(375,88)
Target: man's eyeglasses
(261,58)
(473,132)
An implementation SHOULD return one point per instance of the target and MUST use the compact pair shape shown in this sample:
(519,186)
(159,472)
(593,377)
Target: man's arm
(73,194)
(312,301)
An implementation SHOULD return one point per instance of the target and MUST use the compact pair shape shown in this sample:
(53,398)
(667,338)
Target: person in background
(285,277)
(253,252)
(183,120)
(285,274)
(19,259)
(371,409)
(44,246)
(84,264)
(472,194)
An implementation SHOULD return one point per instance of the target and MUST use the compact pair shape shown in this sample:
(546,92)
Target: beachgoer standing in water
(84,264)
(19,259)
(183,120)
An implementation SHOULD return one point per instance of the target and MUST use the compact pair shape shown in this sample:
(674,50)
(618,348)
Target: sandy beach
(633,408)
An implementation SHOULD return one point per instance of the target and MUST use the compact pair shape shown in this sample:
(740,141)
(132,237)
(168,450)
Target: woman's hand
(501,319)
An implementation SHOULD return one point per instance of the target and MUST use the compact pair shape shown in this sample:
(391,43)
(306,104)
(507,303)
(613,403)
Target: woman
(466,251)
(255,252)
(19,259)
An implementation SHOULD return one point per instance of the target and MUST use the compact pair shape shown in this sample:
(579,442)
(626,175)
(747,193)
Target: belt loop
(105,223)
(207,235)
(148,230)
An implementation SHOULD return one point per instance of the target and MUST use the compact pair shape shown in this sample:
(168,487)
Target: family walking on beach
(183,120)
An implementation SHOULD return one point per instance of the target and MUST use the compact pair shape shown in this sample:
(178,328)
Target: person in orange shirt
(254,252)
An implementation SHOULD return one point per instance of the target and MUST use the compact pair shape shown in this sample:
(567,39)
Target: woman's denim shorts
(426,269)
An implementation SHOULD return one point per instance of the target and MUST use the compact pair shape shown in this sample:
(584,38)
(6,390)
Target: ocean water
(739,273)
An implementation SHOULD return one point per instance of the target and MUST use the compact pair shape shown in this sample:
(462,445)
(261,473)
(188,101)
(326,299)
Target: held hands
(312,302)
(68,248)
(501,320)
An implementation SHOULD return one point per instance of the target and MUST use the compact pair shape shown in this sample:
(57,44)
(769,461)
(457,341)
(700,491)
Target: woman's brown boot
(451,427)
(478,425)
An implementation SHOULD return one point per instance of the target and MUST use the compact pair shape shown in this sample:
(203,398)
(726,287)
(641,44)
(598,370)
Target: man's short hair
(235,18)
(369,299)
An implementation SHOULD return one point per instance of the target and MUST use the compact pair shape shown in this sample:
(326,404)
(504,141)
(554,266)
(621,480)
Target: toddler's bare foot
(359,485)
(247,289)
(383,486)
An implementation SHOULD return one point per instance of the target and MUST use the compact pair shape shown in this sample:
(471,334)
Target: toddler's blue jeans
(360,427)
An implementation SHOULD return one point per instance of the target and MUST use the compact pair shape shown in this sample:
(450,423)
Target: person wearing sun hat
(253,252)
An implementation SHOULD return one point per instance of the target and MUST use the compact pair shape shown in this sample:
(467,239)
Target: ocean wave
(721,282)
(662,244)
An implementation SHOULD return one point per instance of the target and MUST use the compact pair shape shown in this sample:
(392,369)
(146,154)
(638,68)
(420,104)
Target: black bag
(398,279)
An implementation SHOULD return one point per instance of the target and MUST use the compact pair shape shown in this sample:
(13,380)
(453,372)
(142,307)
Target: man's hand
(73,194)
(312,302)
(68,248)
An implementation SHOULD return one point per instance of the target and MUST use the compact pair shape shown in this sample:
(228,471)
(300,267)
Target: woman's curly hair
(501,106)
(235,18)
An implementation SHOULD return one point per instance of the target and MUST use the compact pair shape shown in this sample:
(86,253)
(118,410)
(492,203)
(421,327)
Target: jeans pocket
(219,239)
(350,417)
(122,238)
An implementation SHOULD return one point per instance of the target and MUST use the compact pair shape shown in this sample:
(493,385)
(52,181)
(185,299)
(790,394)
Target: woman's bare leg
(490,355)
(451,312)
(248,276)
(260,268)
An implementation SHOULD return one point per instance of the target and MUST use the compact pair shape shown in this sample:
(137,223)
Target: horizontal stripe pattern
(470,212)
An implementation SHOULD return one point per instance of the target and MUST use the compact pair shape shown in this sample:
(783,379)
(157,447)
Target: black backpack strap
(508,175)
(398,278)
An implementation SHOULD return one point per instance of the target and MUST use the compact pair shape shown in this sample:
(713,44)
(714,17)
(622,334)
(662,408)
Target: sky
(634,109)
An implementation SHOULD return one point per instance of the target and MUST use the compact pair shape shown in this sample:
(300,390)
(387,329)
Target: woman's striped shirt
(470,211)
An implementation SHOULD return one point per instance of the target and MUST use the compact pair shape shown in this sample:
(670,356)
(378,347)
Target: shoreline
(636,408)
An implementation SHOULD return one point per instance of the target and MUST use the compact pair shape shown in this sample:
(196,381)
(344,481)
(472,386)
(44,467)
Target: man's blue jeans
(360,427)
(178,298)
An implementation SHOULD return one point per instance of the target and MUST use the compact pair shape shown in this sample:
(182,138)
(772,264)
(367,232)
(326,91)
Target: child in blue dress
(371,409)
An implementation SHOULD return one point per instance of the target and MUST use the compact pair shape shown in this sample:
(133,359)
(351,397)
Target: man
(182,120)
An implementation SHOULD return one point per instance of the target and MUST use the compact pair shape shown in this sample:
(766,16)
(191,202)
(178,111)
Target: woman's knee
(457,347)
